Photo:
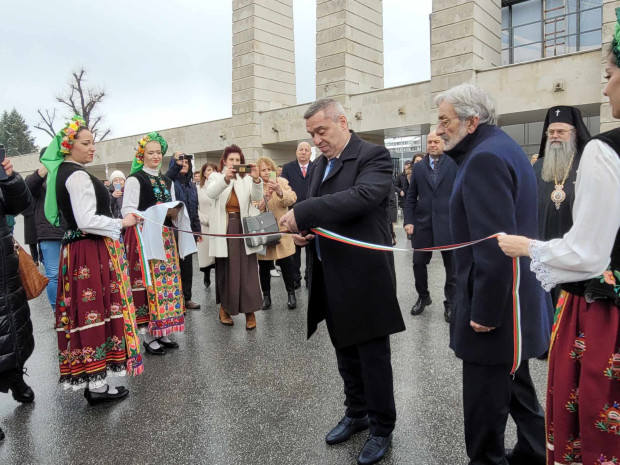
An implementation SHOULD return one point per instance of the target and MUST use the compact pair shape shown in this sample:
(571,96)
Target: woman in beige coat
(279,196)
(205,261)
(238,290)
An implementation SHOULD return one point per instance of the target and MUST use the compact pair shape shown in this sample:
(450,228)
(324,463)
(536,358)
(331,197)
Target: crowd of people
(117,284)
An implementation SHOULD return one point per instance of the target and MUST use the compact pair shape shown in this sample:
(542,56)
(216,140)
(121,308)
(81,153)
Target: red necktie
(303,171)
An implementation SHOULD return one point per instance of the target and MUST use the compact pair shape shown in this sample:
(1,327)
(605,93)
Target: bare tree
(80,100)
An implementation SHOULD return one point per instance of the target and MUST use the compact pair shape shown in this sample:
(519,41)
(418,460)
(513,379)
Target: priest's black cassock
(554,222)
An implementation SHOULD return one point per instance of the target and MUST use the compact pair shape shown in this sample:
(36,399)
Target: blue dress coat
(494,191)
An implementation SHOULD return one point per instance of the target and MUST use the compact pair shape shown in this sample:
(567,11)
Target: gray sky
(165,63)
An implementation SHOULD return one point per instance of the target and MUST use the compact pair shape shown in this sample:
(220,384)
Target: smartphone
(186,156)
(272,176)
(243,168)
(117,186)
(3,175)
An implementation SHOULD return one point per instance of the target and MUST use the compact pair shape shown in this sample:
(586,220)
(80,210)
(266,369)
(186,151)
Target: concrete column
(263,71)
(349,47)
(465,38)
(609,24)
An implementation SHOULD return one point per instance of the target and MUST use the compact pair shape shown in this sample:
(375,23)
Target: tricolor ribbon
(146,275)
(516,270)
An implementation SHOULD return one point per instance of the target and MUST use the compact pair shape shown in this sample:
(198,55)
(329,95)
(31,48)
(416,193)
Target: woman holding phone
(238,290)
(278,196)
(117,184)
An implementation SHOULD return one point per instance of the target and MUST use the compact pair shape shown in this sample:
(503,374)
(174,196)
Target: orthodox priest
(563,138)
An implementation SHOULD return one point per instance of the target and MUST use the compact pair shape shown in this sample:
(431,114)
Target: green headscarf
(138,160)
(615,43)
(52,158)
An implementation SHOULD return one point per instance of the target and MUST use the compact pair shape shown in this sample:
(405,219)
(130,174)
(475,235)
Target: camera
(186,156)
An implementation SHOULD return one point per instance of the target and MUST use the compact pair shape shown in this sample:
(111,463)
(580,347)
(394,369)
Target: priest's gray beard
(556,161)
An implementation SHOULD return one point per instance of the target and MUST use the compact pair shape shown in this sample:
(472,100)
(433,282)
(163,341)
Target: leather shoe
(225,318)
(346,428)
(95,398)
(297,285)
(21,391)
(374,449)
(420,305)
(1,434)
(516,457)
(292,300)
(250,321)
(447,313)
(168,344)
(192,305)
(266,301)
(159,351)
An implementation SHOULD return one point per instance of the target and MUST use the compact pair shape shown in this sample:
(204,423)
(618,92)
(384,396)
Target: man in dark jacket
(352,288)
(494,191)
(49,236)
(16,338)
(427,219)
(297,173)
(185,191)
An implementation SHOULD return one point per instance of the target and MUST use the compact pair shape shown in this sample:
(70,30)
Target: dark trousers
(420,274)
(297,264)
(187,274)
(288,273)
(489,396)
(34,252)
(366,370)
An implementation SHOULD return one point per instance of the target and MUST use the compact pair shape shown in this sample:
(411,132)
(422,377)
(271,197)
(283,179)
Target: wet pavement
(230,396)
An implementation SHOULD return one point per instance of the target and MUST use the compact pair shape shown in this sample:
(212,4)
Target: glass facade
(534,29)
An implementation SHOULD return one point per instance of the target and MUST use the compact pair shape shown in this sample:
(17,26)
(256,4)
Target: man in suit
(494,191)
(297,173)
(427,219)
(352,288)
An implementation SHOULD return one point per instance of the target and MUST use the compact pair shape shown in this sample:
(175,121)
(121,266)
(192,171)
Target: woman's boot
(266,301)
(292,300)
(250,321)
(225,318)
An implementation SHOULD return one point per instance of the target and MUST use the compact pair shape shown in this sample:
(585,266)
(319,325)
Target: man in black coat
(494,191)
(427,219)
(297,173)
(179,170)
(352,288)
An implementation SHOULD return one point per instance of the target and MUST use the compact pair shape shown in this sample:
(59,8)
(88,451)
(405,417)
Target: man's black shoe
(95,398)
(1,434)
(374,449)
(420,305)
(297,284)
(447,313)
(292,300)
(346,428)
(266,302)
(21,391)
(516,457)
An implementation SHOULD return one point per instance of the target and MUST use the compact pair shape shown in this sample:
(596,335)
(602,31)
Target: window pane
(516,131)
(534,133)
(526,12)
(505,17)
(527,34)
(590,20)
(505,57)
(505,39)
(528,53)
(590,40)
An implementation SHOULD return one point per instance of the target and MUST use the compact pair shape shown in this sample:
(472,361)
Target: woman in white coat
(236,264)
(206,262)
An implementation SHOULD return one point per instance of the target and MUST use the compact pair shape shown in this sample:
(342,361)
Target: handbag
(33,281)
(261,223)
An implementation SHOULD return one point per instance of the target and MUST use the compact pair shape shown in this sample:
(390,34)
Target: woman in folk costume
(95,316)
(583,394)
(236,266)
(160,309)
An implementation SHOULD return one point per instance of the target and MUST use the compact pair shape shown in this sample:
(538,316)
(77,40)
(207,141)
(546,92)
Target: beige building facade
(468,44)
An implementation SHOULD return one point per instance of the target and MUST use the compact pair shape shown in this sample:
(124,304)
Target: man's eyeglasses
(445,122)
(559,132)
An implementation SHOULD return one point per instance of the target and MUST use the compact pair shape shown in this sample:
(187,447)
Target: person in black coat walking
(185,191)
(494,191)
(427,219)
(297,173)
(352,288)
(16,336)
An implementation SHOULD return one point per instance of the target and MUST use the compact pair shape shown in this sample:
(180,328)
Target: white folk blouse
(584,251)
(131,193)
(84,205)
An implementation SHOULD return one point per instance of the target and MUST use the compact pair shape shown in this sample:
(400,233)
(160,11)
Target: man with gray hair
(563,138)
(352,288)
(494,191)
